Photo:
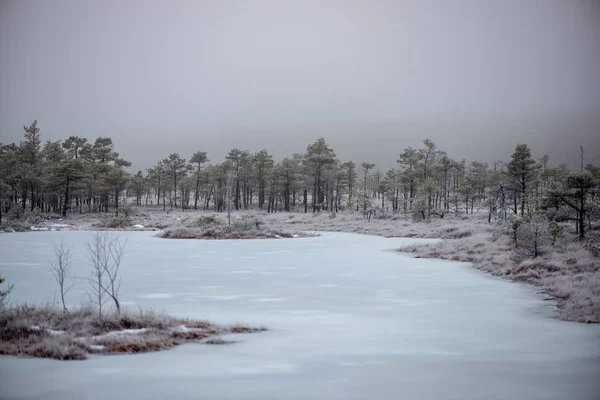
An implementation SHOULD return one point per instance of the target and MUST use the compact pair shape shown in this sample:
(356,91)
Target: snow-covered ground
(347,320)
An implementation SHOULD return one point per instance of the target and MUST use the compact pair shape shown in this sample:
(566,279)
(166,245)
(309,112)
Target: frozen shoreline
(467,238)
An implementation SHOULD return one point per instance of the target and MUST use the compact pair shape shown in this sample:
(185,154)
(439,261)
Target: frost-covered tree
(532,236)
(349,169)
(116,179)
(427,156)
(365,195)
(177,170)
(138,184)
(318,157)
(523,169)
(30,157)
(575,193)
(410,160)
(263,162)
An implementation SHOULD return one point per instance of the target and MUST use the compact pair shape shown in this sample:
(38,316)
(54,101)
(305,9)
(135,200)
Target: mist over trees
(78,175)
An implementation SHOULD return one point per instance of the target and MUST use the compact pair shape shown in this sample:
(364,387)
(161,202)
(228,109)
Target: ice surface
(347,320)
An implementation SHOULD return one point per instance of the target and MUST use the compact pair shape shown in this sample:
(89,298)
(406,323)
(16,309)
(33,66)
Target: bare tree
(61,268)
(116,248)
(105,254)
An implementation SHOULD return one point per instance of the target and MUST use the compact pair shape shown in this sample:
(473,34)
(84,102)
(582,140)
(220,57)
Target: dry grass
(48,332)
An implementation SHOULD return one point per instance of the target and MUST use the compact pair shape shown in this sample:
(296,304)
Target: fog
(372,78)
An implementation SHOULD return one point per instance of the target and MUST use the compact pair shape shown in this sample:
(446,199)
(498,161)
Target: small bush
(555,230)
(34,217)
(207,220)
(120,221)
(16,212)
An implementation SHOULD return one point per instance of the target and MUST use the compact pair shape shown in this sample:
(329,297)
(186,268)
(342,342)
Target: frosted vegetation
(521,219)
(48,332)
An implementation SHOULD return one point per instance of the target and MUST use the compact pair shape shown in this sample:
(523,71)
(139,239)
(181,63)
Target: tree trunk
(116,202)
(523,198)
(65,205)
(305,201)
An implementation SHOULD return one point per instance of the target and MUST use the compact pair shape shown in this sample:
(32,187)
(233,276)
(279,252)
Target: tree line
(77,175)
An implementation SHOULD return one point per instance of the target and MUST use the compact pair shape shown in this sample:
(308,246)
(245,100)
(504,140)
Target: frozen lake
(347,320)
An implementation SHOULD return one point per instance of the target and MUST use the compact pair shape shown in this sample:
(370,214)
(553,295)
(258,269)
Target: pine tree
(522,168)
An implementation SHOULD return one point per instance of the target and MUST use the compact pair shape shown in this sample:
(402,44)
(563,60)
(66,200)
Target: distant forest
(81,176)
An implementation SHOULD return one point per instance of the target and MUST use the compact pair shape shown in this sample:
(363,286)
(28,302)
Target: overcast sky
(371,77)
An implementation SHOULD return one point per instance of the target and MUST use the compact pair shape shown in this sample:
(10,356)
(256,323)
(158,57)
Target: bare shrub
(105,253)
(61,269)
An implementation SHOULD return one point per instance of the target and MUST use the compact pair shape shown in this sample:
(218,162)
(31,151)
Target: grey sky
(371,77)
